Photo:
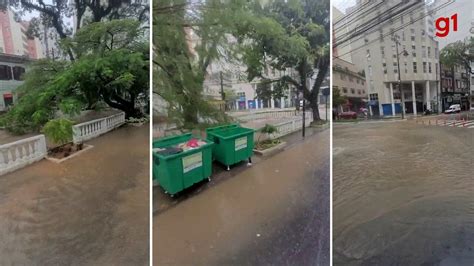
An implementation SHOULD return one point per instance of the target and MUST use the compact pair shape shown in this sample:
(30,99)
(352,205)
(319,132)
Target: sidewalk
(275,212)
(91,209)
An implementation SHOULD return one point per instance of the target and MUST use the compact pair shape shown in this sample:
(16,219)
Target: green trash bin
(176,171)
(232,144)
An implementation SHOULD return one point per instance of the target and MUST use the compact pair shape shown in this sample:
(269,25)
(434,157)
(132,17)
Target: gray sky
(343,4)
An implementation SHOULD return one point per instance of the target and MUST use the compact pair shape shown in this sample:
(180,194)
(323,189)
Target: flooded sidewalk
(403,195)
(275,212)
(90,210)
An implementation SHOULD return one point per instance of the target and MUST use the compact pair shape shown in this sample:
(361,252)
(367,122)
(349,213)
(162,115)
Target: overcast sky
(343,4)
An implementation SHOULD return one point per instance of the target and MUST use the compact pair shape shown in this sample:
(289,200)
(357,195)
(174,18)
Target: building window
(412,31)
(353,91)
(18,72)
(429,51)
(429,67)
(358,81)
(351,79)
(363,91)
(344,89)
(413,38)
(424,67)
(343,77)
(414,68)
(359,92)
(423,51)
(374,97)
(436,53)
(381,35)
(382,51)
(368,54)
(5,72)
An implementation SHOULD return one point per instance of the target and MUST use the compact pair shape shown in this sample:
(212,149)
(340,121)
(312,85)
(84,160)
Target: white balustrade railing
(94,128)
(269,115)
(21,153)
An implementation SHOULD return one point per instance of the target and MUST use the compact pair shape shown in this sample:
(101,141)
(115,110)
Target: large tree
(112,66)
(59,14)
(289,35)
(188,36)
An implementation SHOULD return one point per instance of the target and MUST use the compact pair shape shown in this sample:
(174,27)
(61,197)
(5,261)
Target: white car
(455,108)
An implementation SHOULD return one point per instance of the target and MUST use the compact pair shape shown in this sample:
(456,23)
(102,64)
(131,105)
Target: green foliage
(111,67)
(269,129)
(179,67)
(59,131)
(337,98)
(458,53)
(288,34)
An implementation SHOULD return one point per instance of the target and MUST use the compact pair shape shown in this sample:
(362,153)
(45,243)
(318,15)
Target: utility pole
(222,86)
(402,100)
(222,91)
(304,111)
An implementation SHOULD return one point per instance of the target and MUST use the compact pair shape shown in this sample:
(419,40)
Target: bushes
(59,131)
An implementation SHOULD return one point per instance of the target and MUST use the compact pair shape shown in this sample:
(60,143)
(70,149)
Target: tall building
(14,39)
(388,37)
(350,82)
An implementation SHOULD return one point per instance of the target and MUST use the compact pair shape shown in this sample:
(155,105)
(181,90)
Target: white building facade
(386,43)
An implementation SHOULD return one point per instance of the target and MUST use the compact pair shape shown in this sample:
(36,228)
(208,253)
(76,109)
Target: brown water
(403,195)
(273,213)
(90,210)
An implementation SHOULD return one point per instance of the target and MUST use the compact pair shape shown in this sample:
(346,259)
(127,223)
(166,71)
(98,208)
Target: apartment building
(11,69)
(393,41)
(350,81)
(14,39)
(455,87)
(227,77)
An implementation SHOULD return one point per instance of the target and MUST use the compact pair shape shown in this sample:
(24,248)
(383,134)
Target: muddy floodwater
(89,210)
(275,212)
(403,194)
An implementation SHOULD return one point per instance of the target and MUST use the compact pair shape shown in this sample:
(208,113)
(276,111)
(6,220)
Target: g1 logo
(443,25)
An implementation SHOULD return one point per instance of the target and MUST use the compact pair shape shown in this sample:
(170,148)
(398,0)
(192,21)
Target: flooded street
(403,194)
(273,213)
(89,210)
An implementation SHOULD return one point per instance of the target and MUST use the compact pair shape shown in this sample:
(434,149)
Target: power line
(377,22)
(401,27)
(358,15)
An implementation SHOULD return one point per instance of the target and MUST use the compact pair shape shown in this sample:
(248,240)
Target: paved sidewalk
(90,210)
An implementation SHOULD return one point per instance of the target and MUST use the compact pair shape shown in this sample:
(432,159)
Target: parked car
(455,108)
(348,115)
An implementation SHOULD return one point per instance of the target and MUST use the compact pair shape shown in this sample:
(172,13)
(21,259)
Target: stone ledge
(54,160)
(271,150)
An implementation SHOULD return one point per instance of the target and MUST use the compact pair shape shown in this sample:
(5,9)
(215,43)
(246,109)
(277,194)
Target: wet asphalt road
(403,194)
(273,213)
(90,210)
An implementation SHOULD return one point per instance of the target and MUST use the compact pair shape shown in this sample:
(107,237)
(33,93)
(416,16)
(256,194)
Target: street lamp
(405,53)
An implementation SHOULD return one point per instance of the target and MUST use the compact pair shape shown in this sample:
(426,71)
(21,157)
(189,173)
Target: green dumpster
(176,170)
(232,144)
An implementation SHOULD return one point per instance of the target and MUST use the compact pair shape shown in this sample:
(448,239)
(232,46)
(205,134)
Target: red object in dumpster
(193,143)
